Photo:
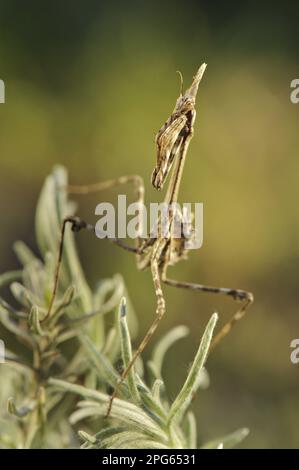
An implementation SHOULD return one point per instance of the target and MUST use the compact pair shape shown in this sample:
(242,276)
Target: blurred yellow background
(88,85)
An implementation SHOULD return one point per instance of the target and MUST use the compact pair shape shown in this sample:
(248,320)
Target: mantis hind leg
(237,294)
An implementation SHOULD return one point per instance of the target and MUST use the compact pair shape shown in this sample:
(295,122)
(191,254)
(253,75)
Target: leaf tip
(123,307)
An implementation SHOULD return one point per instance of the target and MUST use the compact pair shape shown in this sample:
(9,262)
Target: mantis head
(175,130)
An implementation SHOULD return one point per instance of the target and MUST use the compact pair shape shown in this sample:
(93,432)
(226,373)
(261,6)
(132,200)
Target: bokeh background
(88,84)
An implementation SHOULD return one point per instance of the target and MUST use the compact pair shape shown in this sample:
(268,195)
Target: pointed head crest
(190,94)
(192,91)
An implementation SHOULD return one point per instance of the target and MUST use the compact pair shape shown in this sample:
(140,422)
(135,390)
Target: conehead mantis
(160,251)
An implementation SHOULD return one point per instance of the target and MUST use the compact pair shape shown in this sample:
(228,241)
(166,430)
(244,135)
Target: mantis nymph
(161,251)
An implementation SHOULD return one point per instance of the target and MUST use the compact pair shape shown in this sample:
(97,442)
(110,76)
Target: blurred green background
(88,84)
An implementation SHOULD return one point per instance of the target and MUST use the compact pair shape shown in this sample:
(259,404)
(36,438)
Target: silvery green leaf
(101,364)
(139,366)
(117,287)
(14,328)
(79,390)
(191,431)
(164,344)
(50,260)
(23,253)
(22,411)
(155,372)
(103,436)
(34,321)
(126,351)
(123,410)
(117,439)
(34,278)
(65,336)
(228,441)
(156,390)
(110,431)
(53,206)
(192,382)
(128,418)
(125,413)
(152,407)
(92,412)
(112,344)
(62,304)
(87,437)
(131,440)
(132,318)
(15,360)
(14,312)
(144,444)
(9,277)
(204,379)
(24,296)
(96,328)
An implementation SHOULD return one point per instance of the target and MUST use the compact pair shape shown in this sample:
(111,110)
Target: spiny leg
(159,314)
(237,294)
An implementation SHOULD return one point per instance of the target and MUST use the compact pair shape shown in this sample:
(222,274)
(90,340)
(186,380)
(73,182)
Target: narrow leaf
(229,441)
(185,396)
(165,343)
(191,431)
(126,350)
